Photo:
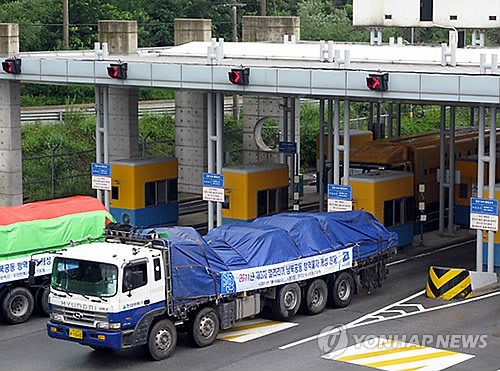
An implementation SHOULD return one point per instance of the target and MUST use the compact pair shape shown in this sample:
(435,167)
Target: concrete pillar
(9,39)
(191,115)
(121,36)
(123,105)
(189,29)
(11,176)
(257,29)
(191,139)
(123,123)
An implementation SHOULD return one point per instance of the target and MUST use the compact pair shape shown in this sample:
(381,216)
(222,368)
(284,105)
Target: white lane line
(428,253)
(356,323)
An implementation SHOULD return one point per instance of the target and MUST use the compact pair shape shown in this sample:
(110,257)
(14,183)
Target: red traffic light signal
(118,71)
(239,76)
(12,65)
(378,82)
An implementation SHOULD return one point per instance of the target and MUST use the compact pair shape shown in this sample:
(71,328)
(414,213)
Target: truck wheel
(287,302)
(341,290)
(17,305)
(162,340)
(204,328)
(42,300)
(316,297)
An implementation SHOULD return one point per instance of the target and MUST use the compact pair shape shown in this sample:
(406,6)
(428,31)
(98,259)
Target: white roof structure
(417,73)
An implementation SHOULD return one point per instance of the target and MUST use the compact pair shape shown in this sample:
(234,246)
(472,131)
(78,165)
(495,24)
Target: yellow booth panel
(373,191)
(468,178)
(129,177)
(243,185)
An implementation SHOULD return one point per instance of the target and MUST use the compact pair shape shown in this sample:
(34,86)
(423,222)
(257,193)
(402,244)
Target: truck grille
(80,317)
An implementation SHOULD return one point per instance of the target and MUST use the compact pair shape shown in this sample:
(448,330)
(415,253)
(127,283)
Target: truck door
(136,289)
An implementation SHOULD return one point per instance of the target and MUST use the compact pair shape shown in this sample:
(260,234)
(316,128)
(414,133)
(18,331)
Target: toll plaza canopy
(416,72)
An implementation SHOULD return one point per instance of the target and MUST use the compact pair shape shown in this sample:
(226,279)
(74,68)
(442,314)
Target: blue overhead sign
(288,147)
(484,206)
(340,192)
(213,180)
(101,169)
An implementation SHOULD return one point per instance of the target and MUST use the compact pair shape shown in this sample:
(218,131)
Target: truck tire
(161,340)
(316,295)
(42,300)
(287,301)
(341,290)
(17,305)
(204,327)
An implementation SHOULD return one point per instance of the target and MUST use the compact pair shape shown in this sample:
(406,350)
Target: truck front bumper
(96,338)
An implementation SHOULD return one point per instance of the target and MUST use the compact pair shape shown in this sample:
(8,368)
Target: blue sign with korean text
(101,169)
(340,192)
(213,180)
(288,147)
(483,206)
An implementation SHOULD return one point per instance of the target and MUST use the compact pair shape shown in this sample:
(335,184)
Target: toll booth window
(272,201)
(389,213)
(463,191)
(114,193)
(172,190)
(409,208)
(160,192)
(225,204)
(261,203)
(134,276)
(283,198)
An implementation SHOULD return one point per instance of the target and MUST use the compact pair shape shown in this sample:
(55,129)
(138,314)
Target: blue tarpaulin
(197,262)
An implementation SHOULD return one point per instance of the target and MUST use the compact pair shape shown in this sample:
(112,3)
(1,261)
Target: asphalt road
(27,347)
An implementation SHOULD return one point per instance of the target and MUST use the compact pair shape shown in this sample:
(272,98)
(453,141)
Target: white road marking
(374,317)
(397,356)
(252,329)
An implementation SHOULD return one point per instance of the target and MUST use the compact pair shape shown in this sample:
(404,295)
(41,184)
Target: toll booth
(254,190)
(144,191)
(496,251)
(467,187)
(388,195)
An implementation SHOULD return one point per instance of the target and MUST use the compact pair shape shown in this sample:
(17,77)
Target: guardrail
(58,115)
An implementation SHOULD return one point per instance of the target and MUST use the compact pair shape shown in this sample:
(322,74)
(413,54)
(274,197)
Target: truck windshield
(84,277)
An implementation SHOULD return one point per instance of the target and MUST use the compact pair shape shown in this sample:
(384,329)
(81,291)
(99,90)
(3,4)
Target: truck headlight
(103,325)
(57,317)
(115,325)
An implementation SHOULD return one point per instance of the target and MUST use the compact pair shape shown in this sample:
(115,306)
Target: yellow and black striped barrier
(448,283)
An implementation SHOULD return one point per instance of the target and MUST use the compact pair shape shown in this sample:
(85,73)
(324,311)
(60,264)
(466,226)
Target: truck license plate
(75,333)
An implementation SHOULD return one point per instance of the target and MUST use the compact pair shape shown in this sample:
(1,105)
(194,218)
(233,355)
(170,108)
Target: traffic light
(239,76)
(378,81)
(118,71)
(12,65)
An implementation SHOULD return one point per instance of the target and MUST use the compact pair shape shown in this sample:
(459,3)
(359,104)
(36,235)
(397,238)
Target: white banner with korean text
(282,273)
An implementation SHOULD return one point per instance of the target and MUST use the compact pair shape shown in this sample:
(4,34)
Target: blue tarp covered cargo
(293,244)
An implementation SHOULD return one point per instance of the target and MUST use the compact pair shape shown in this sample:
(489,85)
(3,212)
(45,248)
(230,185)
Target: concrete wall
(123,103)
(256,28)
(190,29)
(121,36)
(11,176)
(191,115)
(9,39)
(11,167)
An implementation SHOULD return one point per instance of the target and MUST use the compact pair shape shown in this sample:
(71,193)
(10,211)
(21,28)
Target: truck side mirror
(31,272)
